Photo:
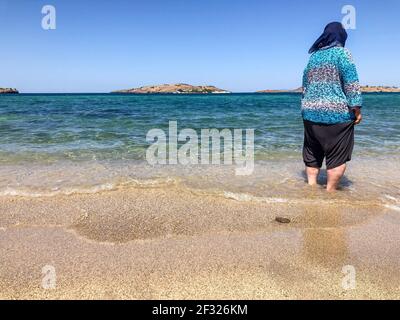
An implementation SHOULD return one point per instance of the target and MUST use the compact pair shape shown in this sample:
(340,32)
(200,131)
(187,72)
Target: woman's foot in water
(312,175)
(334,176)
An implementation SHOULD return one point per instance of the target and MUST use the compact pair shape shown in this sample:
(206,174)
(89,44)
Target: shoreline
(172,243)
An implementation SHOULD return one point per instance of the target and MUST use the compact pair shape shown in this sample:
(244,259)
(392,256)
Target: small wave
(396,206)
(152,183)
(146,183)
(245,197)
(392,207)
(50,193)
(392,198)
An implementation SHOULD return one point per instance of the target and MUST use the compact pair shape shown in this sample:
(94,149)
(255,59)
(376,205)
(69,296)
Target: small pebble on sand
(282,220)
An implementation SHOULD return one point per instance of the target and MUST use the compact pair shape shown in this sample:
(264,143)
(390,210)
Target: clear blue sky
(239,45)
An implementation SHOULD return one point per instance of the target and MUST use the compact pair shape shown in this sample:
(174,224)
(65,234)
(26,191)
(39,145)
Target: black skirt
(334,142)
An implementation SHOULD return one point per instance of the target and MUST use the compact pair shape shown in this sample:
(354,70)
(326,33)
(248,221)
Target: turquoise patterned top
(330,87)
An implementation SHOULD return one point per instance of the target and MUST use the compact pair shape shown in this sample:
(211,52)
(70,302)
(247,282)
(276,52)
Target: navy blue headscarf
(334,34)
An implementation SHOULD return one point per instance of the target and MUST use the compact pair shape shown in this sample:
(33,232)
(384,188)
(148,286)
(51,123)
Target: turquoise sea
(63,143)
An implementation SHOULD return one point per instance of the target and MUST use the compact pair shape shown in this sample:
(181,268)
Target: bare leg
(312,175)
(334,176)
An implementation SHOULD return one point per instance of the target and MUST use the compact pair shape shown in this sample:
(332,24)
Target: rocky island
(173,88)
(8,90)
(298,90)
(372,89)
(379,89)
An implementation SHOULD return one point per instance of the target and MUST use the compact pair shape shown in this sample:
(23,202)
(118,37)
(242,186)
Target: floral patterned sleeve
(349,75)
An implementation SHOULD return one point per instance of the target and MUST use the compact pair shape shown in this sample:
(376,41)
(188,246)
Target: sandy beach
(159,243)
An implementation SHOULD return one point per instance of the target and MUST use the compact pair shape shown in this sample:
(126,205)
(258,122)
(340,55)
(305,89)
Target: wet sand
(159,243)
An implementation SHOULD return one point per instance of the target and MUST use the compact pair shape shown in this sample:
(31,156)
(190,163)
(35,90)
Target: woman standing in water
(331,106)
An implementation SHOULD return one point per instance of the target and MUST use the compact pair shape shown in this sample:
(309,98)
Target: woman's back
(330,86)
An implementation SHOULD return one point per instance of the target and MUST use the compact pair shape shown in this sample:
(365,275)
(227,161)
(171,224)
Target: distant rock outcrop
(379,89)
(298,90)
(173,88)
(8,90)
(363,89)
